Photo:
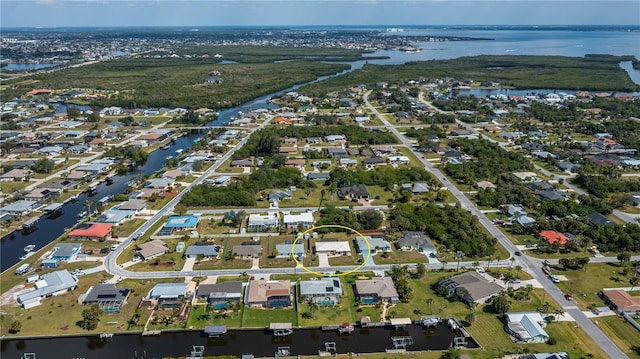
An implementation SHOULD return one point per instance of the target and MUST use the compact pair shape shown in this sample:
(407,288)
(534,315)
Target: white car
(554,279)
(480,270)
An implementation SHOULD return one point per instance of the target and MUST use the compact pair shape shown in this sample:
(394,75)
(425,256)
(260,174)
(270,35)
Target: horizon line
(314,25)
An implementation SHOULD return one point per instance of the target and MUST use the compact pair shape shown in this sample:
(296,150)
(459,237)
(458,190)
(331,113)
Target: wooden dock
(151,332)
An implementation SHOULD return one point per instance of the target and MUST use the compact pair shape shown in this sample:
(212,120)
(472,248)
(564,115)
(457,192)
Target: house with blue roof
(66,251)
(54,283)
(207,251)
(527,327)
(376,244)
(323,291)
(285,250)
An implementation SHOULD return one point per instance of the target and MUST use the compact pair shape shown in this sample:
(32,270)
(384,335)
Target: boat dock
(30,223)
(281,329)
(151,332)
(215,331)
(52,209)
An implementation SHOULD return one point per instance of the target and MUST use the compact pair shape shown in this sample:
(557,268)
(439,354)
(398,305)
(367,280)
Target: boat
(179,150)
(165,147)
(109,180)
(75,197)
(345,328)
(83,214)
(29,248)
(92,189)
(27,255)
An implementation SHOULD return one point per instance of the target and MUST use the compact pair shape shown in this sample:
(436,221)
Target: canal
(234,343)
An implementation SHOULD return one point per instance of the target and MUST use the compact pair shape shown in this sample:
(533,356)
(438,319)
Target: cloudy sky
(57,13)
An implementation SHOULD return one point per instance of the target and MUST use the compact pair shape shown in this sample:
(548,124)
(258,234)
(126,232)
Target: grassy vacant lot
(126,228)
(622,333)
(553,72)
(398,257)
(260,318)
(180,82)
(198,318)
(586,284)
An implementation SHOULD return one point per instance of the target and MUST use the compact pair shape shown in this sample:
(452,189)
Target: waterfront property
(526,327)
(469,287)
(268,293)
(377,290)
(169,295)
(91,231)
(323,291)
(65,251)
(51,284)
(221,295)
(20,208)
(108,297)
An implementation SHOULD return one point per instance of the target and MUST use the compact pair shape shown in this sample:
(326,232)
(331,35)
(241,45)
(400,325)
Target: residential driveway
(370,261)
(256,263)
(188,264)
(323,260)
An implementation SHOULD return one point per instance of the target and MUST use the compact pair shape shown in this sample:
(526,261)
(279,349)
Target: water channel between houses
(260,343)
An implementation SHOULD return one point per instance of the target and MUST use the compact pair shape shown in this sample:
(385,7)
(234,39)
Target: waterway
(531,42)
(235,343)
(18,66)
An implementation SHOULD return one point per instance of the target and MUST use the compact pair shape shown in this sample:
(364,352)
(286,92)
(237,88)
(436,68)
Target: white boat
(75,197)
(29,248)
(82,214)
(179,150)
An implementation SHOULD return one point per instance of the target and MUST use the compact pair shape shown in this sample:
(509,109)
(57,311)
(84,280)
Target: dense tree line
(600,185)
(626,132)
(245,189)
(131,153)
(490,160)
(356,135)
(385,176)
(452,227)
(43,165)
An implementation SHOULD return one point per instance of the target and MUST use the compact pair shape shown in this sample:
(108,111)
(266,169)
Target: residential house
(333,139)
(162,183)
(622,301)
(554,237)
(398,160)
(277,196)
(324,291)
(152,249)
(179,223)
(295,163)
(333,248)
(372,162)
(415,241)
(599,219)
(376,244)
(301,220)
(338,152)
(50,151)
(262,223)
(20,208)
(108,297)
(136,205)
(354,192)
(51,284)
(91,231)
(485,185)
(207,251)
(553,195)
(76,175)
(318,176)
(15,174)
(169,295)
(268,293)
(377,290)
(527,327)
(221,295)
(287,250)
(115,216)
(42,194)
(469,287)
(242,163)
(248,250)
(415,188)
(65,251)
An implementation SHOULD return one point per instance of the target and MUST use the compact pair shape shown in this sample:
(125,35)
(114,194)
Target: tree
(623,257)
(91,317)
(16,326)
(470,318)
(451,354)
(198,165)
(558,312)
(430,304)
(313,307)
(43,165)
(420,270)
(370,218)
(634,282)
(501,304)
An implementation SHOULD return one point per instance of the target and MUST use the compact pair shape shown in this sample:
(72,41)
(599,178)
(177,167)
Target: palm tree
(476,264)
(430,304)
(558,312)
(634,282)
(313,306)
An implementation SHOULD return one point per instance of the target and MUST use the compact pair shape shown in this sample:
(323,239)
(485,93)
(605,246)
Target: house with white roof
(335,248)
(324,291)
(262,222)
(304,220)
(54,283)
(169,295)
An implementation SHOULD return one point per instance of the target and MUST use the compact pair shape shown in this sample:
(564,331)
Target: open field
(180,82)
(621,332)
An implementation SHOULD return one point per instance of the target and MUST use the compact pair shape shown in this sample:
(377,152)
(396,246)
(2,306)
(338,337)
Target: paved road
(281,209)
(531,265)
(110,260)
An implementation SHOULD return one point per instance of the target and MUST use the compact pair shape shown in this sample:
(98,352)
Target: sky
(63,13)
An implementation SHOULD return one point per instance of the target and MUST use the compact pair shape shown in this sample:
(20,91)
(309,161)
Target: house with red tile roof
(91,231)
(553,237)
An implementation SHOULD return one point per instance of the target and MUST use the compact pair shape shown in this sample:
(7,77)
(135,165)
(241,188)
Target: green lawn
(261,318)
(198,318)
(586,284)
(10,187)
(621,332)
(398,257)
(342,313)
(223,263)
(126,228)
